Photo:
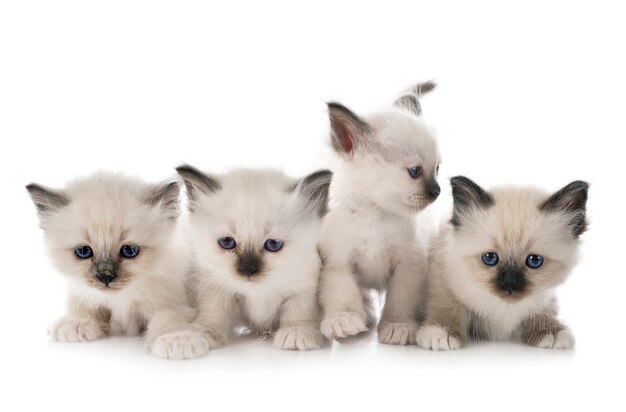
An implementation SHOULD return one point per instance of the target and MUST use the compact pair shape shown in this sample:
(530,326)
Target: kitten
(497,263)
(388,173)
(255,235)
(114,238)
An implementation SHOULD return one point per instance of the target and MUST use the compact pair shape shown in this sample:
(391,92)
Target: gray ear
(467,195)
(411,99)
(313,190)
(571,199)
(197,182)
(166,195)
(47,200)
(347,129)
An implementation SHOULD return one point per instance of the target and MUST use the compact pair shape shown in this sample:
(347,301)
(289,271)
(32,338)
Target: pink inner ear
(347,141)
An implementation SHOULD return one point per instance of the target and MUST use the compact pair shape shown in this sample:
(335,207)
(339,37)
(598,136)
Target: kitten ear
(47,200)
(467,195)
(313,190)
(165,195)
(197,182)
(347,129)
(571,199)
(411,99)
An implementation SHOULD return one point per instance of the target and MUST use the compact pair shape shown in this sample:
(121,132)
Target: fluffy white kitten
(389,165)
(114,238)
(497,262)
(255,235)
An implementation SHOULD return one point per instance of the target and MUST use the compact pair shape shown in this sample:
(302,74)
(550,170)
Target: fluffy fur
(369,236)
(105,212)
(248,285)
(468,299)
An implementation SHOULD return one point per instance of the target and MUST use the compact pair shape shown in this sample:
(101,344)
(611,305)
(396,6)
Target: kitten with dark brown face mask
(115,239)
(497,262)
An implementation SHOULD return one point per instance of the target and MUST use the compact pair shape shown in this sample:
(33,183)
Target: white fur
(369,235)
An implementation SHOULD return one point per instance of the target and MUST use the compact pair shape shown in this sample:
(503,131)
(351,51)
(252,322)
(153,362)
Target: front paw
(397,333)
(437,338)
(68,329)
(342,325)
(298,338)
(184,344)
(563,339)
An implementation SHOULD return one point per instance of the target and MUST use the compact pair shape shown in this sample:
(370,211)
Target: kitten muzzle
(249,263)
(511,279)
(106,271)
(433,189)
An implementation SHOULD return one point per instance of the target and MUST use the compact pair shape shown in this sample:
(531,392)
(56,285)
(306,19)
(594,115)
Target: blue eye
(415,171)
(83,252)
(273,245)
(490,258)
(227,242)
(129,251)
(534,261)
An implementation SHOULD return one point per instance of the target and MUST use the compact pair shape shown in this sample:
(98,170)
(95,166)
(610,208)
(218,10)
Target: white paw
(342,325)
(181,345)
(562,340)
(298,338)
(69,329)
(436,338)
(396,333)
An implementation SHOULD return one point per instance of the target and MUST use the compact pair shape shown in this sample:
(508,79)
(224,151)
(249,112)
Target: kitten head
(255,227)
(390,158)
(107,230)
(516,242)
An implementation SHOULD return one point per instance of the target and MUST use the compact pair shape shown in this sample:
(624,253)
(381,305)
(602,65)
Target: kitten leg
(447,321)
(544,330)
(171,334)
(342,301)
(398,321)
(81,323)
(217,310)
(299,323)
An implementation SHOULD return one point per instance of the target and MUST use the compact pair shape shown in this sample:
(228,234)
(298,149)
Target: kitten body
(369,236)
(235,219)
(504,297)
(109,293)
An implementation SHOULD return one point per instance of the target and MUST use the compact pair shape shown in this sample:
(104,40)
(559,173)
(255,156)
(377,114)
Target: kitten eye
(273,245)
(415,171)
(83,252)
(227,242)
(490,258)
(129,251)
(534,261)
(437,169)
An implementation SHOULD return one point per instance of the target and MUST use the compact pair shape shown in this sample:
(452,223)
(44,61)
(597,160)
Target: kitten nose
(106,278)
(433,189)
(511,279)
(249,264)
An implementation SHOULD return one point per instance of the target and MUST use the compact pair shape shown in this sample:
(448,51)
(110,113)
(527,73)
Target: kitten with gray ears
(255,235)
(388,174)
(497,262)
(115,239)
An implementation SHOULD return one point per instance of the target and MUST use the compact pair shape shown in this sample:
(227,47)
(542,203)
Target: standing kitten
(255,235)
(497,262)
(388,173)
(114,238)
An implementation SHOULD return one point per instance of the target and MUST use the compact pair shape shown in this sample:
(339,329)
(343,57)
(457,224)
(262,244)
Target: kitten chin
(255,235)
(387,173)
(114,238)
(497,262)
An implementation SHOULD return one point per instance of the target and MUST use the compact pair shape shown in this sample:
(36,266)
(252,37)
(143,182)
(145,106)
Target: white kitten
(114,238)
(388,171)
(255,235)
(497,262)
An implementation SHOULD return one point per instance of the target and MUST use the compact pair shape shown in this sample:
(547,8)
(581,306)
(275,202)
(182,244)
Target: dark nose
(433,189)
(106,278)
(249,264)
(511,279)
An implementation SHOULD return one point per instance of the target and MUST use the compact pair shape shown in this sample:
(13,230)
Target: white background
(531,93)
